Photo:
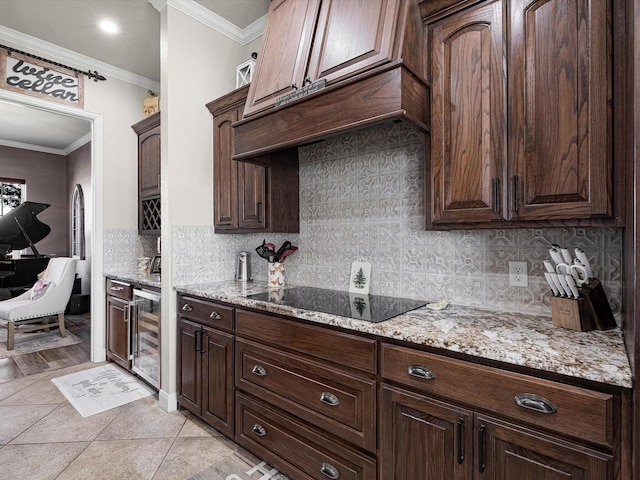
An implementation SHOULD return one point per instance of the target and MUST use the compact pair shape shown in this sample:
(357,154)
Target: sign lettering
(32,77)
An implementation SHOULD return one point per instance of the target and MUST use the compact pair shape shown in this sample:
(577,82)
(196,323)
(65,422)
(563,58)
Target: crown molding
(42,149)
(45,49)
(214,21)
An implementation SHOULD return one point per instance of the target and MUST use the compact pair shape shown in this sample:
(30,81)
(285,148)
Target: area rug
(102,388)
(240,466)
(35,342)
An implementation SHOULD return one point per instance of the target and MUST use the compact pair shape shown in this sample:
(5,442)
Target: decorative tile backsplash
(361,197)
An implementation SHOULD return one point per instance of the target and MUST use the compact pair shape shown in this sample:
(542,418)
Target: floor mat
(240,466)
(101,388)
(35,342)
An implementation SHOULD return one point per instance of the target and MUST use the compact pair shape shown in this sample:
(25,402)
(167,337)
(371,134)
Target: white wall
(120,104)
(198,65)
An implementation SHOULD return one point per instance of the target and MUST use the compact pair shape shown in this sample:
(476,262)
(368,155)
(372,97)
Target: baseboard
(168,401)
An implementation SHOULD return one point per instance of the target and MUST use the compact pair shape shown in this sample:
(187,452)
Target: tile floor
(42,437)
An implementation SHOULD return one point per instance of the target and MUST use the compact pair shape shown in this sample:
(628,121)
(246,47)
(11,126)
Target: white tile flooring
(43,437)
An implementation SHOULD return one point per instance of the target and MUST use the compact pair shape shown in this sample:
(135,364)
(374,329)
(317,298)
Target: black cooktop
(372,308)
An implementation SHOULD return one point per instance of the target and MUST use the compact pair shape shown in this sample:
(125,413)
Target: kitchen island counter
(512,338)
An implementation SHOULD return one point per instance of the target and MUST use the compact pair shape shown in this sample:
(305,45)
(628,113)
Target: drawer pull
(329,471)
(215,316)
(534,402)
(187,308)
(258,370)
(421,372)
(117,289)
(329,399)
(259,430)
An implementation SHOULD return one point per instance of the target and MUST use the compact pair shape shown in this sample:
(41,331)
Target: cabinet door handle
(329,471)
(307,80)
(259,430)
(459,440)
(187,308)
(201,341)
(481,463)
(421,372)
(329,399)
(496,195)
(294,86)
(259,211)
(259,370)
(515,193)
(534,402)
(215,316)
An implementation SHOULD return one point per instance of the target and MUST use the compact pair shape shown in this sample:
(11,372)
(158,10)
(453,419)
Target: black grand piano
(19,229)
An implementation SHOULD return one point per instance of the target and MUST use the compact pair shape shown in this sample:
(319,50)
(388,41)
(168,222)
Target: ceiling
(71,24)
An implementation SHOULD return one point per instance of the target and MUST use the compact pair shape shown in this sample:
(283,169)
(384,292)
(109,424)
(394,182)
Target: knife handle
(580,255)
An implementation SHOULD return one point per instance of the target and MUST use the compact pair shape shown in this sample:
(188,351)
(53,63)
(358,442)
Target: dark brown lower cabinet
(301,451)
(423,438)
(205,375)
(426,439)
(118,331)
(118,322)
(507,451)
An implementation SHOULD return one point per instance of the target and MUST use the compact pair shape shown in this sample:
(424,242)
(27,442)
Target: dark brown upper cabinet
(521,116)
(371,55)
(250,197)
(148,131)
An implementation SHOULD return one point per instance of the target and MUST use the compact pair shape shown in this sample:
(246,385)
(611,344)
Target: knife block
(590,311)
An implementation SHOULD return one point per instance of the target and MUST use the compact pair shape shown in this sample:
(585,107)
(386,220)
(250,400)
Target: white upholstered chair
(49,296)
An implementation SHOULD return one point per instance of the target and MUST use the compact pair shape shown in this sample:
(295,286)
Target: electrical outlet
(518,274)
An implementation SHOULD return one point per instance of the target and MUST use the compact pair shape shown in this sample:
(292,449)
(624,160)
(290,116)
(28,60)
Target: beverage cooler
(146,336)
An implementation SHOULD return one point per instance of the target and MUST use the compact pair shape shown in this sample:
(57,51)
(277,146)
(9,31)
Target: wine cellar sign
(31,76)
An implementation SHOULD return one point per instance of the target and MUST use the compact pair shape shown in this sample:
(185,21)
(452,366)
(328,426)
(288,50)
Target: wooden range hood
(383,83)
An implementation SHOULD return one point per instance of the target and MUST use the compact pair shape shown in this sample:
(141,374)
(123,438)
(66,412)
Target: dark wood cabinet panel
(338,402)
(225,173)
(506,451)
(205,369)
(286,43)
(560,116)
(217,380)
(148,130)
(522,115)
(118,331)
(422,438)
(342,47)
(309,40)
(294,448)
(468,116)
(250,197)
(189,366)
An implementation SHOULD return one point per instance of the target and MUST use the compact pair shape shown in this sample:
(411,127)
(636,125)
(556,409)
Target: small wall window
(77,223)
(12,193)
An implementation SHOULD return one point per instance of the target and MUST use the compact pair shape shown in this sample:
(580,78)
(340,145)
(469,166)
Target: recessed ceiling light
(108,26)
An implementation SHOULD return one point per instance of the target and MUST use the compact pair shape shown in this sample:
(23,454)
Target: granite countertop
(143,279)
(513,338)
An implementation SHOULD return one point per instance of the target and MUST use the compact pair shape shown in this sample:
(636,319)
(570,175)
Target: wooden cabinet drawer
(119,289)
(579,412)
(206,313)
(294,448)
(340,403)
(344,349)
